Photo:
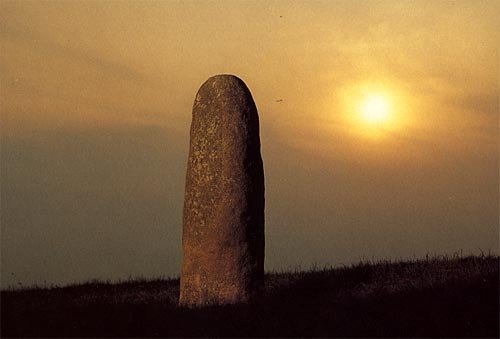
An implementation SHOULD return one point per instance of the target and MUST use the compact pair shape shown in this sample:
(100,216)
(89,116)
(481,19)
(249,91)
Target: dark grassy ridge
(439,297)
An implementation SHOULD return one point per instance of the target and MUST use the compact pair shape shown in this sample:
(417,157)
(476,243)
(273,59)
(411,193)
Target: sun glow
(375,109)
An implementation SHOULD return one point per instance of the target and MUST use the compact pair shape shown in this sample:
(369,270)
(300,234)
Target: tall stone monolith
(223,217)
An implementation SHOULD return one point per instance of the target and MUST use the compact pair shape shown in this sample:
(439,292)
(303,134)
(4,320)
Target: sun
(375,109)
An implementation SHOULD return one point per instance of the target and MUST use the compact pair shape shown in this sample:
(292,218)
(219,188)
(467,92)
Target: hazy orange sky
(96,102)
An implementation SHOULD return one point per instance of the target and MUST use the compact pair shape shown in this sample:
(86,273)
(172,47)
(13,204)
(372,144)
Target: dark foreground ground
(439,297)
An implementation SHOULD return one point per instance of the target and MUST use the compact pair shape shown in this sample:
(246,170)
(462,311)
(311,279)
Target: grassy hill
(438,297)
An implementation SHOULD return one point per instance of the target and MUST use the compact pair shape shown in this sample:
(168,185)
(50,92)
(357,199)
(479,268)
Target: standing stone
(223,217)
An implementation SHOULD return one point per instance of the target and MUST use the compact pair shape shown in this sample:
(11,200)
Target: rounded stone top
(223,83)
(224,89)
(225,79)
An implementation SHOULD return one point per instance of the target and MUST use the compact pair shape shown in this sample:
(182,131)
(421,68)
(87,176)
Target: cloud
(44,46)
(48,83)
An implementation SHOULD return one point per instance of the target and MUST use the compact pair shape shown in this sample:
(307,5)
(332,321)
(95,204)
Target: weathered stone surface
(223,217)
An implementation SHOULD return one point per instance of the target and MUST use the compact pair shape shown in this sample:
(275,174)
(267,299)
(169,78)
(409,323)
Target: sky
(379,129)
